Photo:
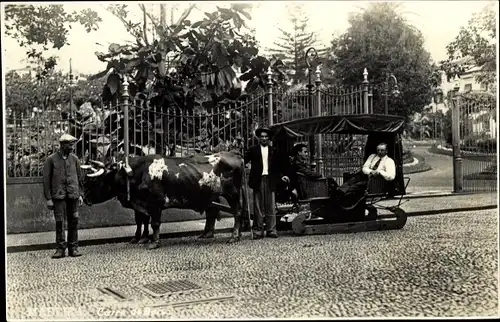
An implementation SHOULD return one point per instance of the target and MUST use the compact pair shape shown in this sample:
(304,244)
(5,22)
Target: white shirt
(386,167)
(264,150)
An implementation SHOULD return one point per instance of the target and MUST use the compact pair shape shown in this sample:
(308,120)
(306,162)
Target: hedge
(469,155)
(421,166)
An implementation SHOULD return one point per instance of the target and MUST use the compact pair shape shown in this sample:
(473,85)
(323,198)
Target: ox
(157,183)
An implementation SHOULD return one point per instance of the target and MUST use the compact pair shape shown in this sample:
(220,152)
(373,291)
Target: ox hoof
(154,245)
(143,240)
(234,240)
(134,240)
(206,235)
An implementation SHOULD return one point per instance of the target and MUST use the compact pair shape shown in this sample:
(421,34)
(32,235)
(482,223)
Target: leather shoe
(257,236)
(60,253)
(74,253)
(272,235)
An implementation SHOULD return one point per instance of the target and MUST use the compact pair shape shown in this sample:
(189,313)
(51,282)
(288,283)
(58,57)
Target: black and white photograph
(250,160)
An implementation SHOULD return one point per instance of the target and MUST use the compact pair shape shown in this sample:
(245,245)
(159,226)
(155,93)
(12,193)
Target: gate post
(319,111)
(125,97)
(270,96)
(455,135)
(366,108)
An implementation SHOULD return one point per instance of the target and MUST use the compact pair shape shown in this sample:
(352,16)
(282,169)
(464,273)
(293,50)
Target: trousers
(66,209)
(264,207)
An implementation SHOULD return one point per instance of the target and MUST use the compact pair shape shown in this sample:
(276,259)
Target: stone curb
(109,240)
(105,240)
(414,162)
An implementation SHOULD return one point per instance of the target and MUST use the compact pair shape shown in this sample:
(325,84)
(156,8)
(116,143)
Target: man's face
(67,147)
(264,139)
(303,154)
(381,151)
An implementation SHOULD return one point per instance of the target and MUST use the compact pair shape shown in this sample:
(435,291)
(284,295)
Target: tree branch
(155,23)
(185,14)
(144,24)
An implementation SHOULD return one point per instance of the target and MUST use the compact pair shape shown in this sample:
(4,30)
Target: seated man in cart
(377,165)
(300,166)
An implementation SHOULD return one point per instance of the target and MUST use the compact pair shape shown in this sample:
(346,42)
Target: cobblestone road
(444,265)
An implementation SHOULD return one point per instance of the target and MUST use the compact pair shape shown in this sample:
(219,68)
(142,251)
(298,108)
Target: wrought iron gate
(474,136)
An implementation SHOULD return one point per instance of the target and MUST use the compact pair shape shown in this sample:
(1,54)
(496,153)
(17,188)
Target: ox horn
(85,166)
(96,174)
(98,163)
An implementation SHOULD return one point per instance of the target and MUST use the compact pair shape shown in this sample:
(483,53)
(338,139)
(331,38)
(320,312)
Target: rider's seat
(311,189)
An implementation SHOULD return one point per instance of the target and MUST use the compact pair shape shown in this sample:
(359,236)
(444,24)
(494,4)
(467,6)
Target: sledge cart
(316,206)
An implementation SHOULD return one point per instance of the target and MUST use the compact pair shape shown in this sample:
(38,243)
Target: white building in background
(24,71)
(466,83)
(483,122)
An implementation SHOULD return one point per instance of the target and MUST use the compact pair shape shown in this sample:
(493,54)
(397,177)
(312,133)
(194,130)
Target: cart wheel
(401,215)
(298,226)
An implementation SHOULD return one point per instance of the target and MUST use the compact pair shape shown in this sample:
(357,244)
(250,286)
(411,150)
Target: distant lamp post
(395,90)
(455,137)
(71,83)
(311,55)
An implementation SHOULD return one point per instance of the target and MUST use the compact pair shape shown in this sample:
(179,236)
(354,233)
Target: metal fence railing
(478,142)
(169,131)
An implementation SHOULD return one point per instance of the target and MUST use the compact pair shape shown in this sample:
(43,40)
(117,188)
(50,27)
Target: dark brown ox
(157,183)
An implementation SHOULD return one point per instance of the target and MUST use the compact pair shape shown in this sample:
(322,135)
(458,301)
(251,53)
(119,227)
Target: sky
(439,22)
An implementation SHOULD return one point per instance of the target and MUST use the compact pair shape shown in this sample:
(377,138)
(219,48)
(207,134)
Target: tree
(23,93)
(204,53)
(292,45)
(188,66)
(381,40)
(475,44)
(45,25)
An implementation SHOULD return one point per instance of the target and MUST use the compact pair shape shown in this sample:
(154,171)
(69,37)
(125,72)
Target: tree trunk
(163,16)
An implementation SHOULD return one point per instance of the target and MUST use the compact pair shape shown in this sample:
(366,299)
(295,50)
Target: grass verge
(421,166)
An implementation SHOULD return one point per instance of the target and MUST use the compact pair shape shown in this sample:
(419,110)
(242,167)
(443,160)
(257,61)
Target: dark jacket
(62,178)
(303,168)
(254,156)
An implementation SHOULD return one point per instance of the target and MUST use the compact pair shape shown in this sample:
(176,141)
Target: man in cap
(62,187)
(264,174)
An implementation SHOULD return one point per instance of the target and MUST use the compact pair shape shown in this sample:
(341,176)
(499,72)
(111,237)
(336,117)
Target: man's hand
(80,201)
(375,173)
(50,204)
(285,179)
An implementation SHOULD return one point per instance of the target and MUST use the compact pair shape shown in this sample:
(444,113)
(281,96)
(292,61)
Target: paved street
(442,265)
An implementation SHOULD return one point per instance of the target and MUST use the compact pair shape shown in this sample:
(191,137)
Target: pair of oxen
(150,184)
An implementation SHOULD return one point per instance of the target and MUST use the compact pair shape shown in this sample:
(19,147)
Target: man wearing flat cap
(62,187)
(265,172)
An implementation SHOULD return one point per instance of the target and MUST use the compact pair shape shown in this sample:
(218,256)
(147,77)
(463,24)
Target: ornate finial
(125,86)
(269,75)
(318,73)
(365,75)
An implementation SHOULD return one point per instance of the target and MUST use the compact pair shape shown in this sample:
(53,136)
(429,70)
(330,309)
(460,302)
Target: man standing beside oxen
(62,188)
(264,174)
